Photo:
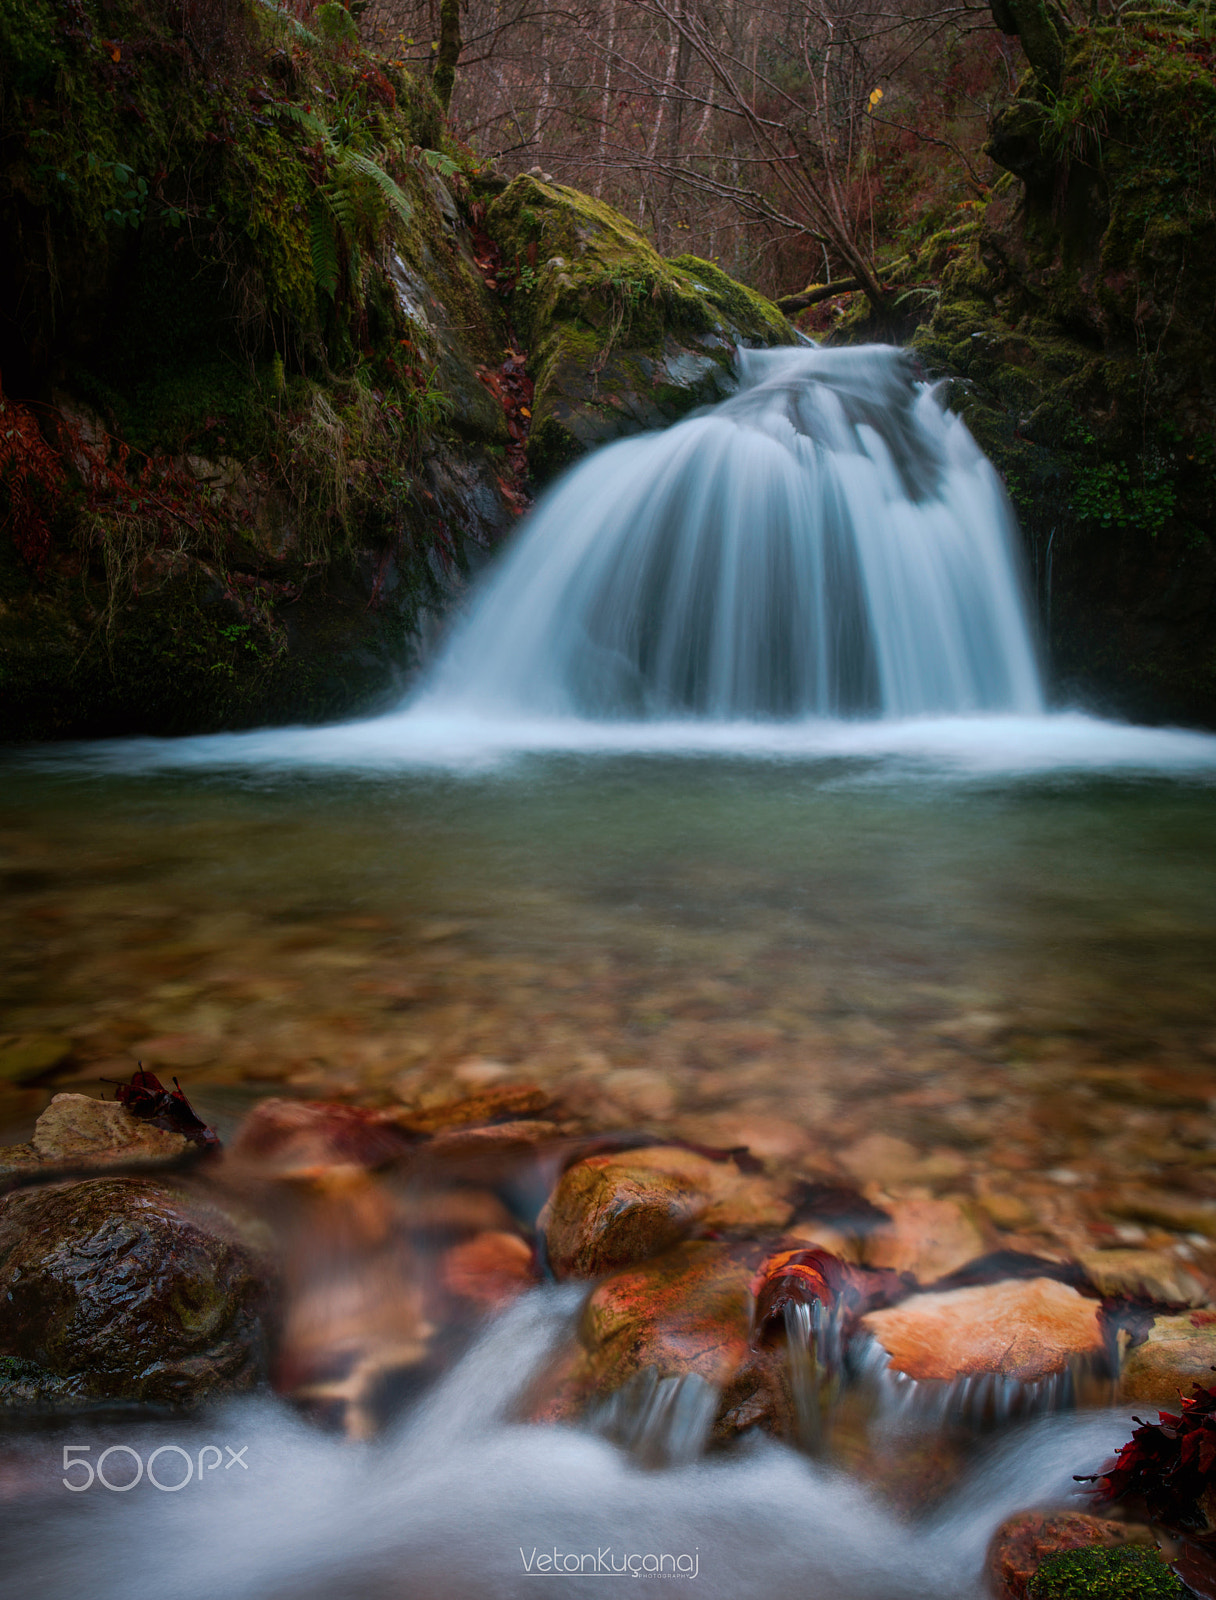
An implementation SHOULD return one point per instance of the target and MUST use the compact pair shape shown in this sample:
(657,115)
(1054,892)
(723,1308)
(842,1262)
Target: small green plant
(1107,495)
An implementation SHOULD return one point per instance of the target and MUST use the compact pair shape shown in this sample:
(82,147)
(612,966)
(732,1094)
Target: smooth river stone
(122,1289)
(1179,1351)
(1026,1329)
(610,1211)
(1142,1275)
(928,1238)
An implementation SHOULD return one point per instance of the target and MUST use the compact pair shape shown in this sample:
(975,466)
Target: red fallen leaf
(1167,1466)
(147,1098)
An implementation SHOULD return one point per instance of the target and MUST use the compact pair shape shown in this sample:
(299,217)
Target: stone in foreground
(1179,1351)
(120,1289)
(1026,1329)
(1020,1546)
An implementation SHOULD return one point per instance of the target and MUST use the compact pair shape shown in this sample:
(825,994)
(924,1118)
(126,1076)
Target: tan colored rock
(77,1131)
(1006,1211)
(1027,1329)
(610,1211)
(1021,1545)
(1143,1274)
(880,1158)
(1178,1212)
(1179,1351)
(499,1138)
(928,1238)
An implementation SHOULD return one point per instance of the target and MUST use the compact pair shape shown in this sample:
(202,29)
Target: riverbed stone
(1021,1545)
(124,1289)
(1027,1329)
(928,1238)
(77,1131)
(684,1316)
(609,1211)
(1143,1275)
(1179,1351)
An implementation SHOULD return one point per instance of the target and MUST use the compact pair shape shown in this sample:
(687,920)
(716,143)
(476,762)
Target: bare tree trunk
(606,98)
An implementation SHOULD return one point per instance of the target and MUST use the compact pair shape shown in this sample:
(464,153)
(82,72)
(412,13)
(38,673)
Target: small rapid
(462,1501)
(827,542)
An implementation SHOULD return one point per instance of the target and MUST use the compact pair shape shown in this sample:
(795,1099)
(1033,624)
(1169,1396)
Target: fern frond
(324,241)
(393,195)
(308,120)
(438,162)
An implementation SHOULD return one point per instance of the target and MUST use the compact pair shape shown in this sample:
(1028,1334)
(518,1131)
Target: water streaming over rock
(827,542)
(460,1501)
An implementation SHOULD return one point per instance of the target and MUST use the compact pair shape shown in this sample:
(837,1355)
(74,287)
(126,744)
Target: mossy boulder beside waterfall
(248,351)
(620,339)
(1079,318)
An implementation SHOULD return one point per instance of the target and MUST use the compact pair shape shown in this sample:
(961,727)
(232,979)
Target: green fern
(324,240)
(391,191)
(308,120)
(440,163)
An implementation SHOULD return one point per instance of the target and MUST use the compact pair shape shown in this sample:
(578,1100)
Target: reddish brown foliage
(1168,1465)
(31,482)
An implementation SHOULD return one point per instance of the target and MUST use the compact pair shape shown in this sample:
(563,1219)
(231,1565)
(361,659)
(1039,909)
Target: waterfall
(827,542)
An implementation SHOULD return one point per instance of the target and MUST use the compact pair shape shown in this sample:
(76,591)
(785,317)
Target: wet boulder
(123,1289)
(671,1337)
(1025,1329)
(619,339)
(1178,1352)
(1143,1275)
(610,1211)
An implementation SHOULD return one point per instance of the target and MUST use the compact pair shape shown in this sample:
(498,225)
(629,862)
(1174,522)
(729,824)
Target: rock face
(610,1211)
(122,1289)
(620,340)
(252,456)
(1080,313)
(1179,1351)
(1028,1329)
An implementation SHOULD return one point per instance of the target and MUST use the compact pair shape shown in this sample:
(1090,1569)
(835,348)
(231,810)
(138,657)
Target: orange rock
(500,1104)
(1020,1546)
(684,1315)
(1025,1328)
(491,1269)
(609,1211)
(928,1238)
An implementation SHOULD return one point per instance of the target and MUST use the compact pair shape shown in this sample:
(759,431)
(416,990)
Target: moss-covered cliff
(255,309)
(1080,316)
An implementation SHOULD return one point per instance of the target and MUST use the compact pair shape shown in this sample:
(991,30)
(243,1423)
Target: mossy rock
(1126,1572)
(619,339)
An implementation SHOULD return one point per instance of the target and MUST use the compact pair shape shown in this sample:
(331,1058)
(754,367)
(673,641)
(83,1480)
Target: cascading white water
(827,542)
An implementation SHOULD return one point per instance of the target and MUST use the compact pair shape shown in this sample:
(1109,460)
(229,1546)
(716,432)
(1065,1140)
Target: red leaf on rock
(147,1098)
